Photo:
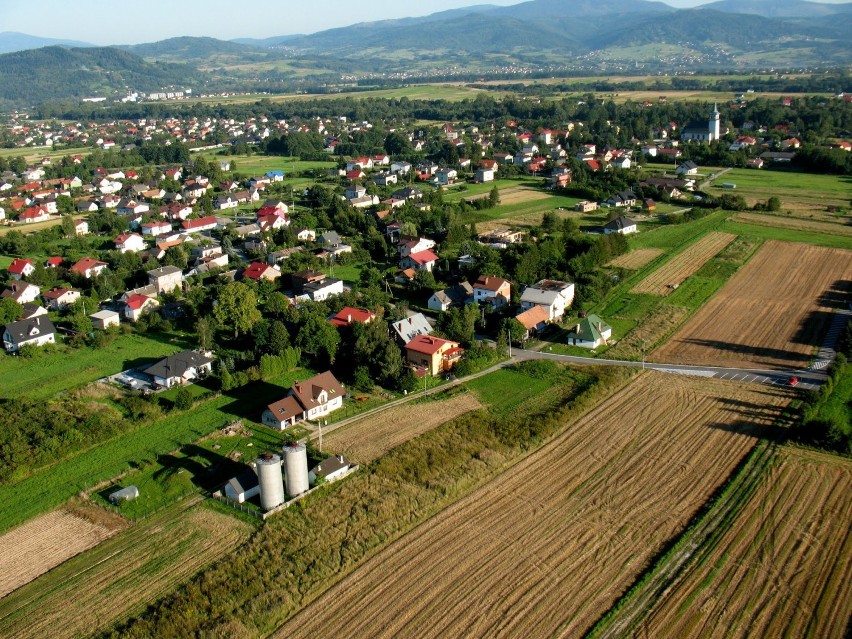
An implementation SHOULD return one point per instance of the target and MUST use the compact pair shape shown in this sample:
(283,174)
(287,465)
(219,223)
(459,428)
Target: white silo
(270,481)
(296,468)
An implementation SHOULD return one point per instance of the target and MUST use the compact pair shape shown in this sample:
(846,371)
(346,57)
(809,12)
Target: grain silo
(269,478)
(296,468)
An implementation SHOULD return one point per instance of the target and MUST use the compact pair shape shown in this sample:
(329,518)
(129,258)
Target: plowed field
(782,569)
(546,548)
(796,223)
(772,314)
(45,542)
(669,276)
(371,437)
(636,259)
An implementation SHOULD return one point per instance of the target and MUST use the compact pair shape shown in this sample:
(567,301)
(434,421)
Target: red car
(793,381)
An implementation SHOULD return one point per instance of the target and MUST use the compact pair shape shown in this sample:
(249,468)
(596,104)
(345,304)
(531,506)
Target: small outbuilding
(244,486)
(329,469)
(104,319)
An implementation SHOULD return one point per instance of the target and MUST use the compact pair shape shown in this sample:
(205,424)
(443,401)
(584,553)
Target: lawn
(105,461)
(5,262)
(800,192)
(259,164)
(786,235)
(48,373)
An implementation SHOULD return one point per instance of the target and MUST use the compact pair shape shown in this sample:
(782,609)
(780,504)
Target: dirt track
(547,547)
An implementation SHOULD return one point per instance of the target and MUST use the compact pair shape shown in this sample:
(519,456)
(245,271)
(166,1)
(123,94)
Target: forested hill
(37,75)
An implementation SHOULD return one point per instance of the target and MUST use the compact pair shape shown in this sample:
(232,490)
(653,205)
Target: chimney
(349,318)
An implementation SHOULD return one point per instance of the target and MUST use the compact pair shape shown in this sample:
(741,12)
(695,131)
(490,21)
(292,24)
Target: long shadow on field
(754,420)
(813,328)
(838,294)
(208,470)
(251,399)
(756,354)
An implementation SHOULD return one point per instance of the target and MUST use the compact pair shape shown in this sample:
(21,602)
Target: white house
(623,225)
(494,290)
(129,243)
(420,261)
(179,368)
(314,398)
(320,290)
(554,296)
(58,299)
(137,305)
(21,292)
(34,331)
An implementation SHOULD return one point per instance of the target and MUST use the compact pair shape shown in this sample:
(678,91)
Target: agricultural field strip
(43,543)
(794,223)
(367,439)
(665,279)
(771,314)
(782,568)
(548,545)
(119,578)
(636,259)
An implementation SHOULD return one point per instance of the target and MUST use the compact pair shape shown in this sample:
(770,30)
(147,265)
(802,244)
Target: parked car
(793,381)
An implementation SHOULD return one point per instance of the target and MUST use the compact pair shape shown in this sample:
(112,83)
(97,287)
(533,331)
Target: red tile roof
(137,301)
(429,345)
(424,257)
(17,266)
(349,315)
(256,270)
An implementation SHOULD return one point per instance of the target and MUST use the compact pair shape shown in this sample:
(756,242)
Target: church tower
(713,125)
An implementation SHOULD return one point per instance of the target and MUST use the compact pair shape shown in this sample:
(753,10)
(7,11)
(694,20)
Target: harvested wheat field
(547,547)
(122,576)
(670,275)
(635,260)
(43,543)
(796,223)
(772,314)
(783,568)
(372,437)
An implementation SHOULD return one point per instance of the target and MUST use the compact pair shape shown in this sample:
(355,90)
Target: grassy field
(48,373)
(786,235)
(803,194)
(119,578)
(51,486)
(5,262)
(260,164)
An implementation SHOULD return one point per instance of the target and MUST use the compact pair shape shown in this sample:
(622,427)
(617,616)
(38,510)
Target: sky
(104,22)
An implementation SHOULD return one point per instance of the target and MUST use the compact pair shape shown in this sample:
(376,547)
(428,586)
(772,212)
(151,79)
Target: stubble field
(783,568)
(122,576)
(635,260)
(369,438)
(547,547)
(772,314)
(43,543)
(838,227)
(670,275)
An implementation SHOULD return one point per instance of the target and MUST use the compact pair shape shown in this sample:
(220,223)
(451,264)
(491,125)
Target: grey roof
(330,237)
(330,465)
(176,365)
(27,329)
(619,223)
(164,270)
(411,327)
(314,287)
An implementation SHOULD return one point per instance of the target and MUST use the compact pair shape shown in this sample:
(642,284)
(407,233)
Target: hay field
(43,543)
(634,260)
(839,227)
(547,547)
(670,275)
(772,314)
(122,576)
(783,568)
(369,438)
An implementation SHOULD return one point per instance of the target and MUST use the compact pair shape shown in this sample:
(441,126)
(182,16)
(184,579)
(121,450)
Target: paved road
(808,379)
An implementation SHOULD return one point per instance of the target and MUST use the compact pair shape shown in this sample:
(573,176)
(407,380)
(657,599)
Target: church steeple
(713,125)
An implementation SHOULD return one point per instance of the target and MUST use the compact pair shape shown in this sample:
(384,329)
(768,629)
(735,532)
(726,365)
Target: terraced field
(547,547)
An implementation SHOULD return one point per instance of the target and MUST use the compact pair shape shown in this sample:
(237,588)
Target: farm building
(244,486)
(329,469)
(590,332)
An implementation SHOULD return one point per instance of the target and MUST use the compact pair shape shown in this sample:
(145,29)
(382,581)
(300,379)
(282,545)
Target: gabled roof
(257,270)
(490,283)
(138,301)
(198,223)
(619,223)
(27,329)
(429,345)
(85,264)
(308,392)
(56,293)
(330,465)
(285,409)
(245,481)
(18,266)
(411,327)
(423,257)
(590,328)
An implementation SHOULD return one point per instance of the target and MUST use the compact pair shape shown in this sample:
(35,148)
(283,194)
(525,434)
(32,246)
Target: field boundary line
(665,570)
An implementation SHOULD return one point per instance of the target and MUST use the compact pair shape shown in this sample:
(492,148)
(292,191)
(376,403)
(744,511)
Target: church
(709,131)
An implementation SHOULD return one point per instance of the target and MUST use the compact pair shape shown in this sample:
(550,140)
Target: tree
(318,336)
(494,196)
(68,228)
(278,338)
(10,310)
(237,306)
(204,329)
(277,304)
(183,399)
